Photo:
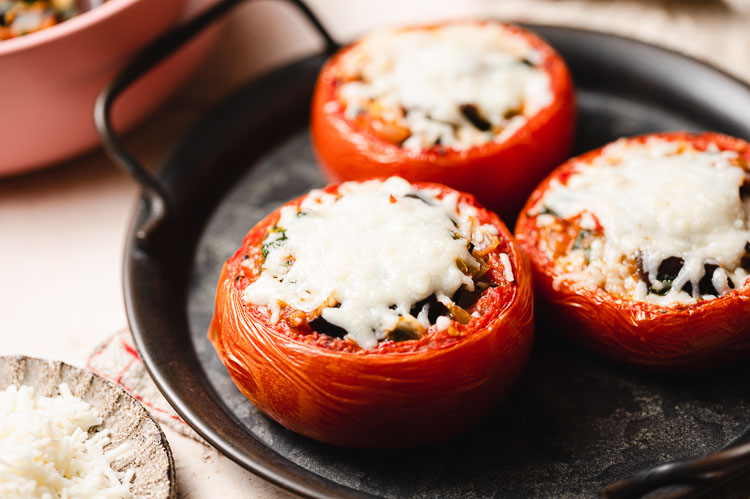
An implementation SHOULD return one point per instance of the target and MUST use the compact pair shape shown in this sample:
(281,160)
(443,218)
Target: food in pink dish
(21,17)
(54,75)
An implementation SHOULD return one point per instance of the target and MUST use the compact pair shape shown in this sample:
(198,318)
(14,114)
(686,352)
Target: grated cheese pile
(46,450)
(366,256)
(421,78)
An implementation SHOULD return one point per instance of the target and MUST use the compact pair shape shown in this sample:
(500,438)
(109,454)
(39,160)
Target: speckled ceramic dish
(149,456)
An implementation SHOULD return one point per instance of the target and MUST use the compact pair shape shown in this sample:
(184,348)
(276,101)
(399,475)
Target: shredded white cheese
(47,451)
(431,73)
(366,256)
(658,200)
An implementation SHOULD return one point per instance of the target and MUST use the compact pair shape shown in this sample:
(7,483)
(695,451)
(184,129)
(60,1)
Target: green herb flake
(546,210)
(582,235)
(267,246)
(587,254)
(666,287)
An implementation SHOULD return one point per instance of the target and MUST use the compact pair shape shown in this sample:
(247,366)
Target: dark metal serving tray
(574,423)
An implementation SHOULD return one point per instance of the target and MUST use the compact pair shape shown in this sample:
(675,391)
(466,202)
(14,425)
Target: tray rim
(277,469)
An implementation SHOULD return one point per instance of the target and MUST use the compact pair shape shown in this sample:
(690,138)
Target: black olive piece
(745,189)
(667,272)
(465,298)
(527,62)
(436,308)
(403,332)
(669,268)
(322,326)
(706,285)
(471,113)
(745,261)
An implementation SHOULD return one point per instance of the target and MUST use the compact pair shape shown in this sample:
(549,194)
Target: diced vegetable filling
(20,17)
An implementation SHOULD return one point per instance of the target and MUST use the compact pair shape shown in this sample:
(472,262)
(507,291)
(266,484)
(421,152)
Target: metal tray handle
(692,477)
(158,50)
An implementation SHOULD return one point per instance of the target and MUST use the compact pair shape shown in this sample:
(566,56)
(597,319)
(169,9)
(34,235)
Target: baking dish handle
(691,478)
(147,59)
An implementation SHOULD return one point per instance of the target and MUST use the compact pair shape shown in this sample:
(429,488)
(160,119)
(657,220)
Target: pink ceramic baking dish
(49,79)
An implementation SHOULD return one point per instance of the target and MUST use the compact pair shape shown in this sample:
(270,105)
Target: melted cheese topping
(420,78)
(654,201)
(363,257)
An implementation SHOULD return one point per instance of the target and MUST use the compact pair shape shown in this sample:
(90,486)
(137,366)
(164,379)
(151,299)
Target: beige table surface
(62,229)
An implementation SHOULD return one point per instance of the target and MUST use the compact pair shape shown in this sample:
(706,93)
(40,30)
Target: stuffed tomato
(640,249)
(376,314)
(484,106)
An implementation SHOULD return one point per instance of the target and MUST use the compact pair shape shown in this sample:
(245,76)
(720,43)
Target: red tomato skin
(500,174)
(400,394)
(640,334)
